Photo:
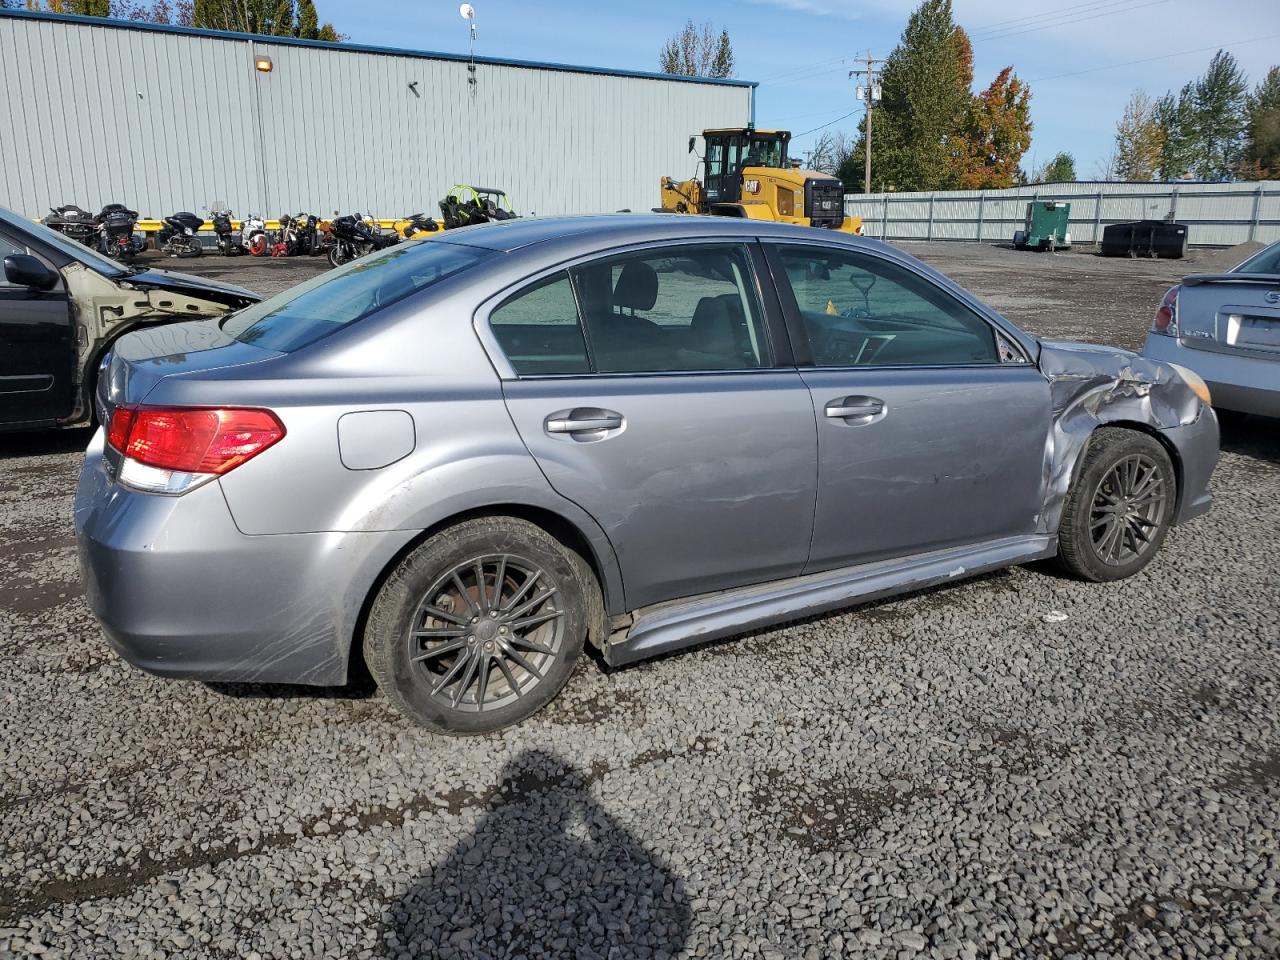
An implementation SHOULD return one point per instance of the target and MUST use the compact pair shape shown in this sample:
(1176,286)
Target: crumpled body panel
(1091,386)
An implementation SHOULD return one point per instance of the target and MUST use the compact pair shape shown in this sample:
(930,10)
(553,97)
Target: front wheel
(480,626)
(1120,507)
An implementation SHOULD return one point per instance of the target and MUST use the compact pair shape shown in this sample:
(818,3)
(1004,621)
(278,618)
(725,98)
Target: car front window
(311,311)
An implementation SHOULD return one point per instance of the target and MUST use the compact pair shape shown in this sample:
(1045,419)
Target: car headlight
(1195,382)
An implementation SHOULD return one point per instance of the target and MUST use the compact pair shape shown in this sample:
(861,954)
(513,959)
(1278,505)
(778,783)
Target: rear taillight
(1166,319)
(174,449)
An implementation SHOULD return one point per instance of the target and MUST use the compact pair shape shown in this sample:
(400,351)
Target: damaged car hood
(216,291)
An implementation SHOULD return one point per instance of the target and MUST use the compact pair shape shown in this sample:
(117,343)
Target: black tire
(190,250)
(1117,513)
(408,654)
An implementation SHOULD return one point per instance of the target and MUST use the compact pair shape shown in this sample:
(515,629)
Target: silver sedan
(464,458)
(1226,327)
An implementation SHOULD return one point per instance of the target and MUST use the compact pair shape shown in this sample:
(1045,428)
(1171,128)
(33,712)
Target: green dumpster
(1045,227)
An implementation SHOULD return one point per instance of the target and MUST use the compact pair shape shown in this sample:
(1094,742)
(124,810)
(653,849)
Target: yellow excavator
(747,173)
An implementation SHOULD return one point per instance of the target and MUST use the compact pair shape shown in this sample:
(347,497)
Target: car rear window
(306,313)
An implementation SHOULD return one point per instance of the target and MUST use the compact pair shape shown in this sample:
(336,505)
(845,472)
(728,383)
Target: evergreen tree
(308,21)
(1262,133)
(1175,116)
(1220,101)
(1139,139)
(924,103)
(1061,169)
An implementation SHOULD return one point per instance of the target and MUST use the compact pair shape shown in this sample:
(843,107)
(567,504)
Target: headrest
(637,286)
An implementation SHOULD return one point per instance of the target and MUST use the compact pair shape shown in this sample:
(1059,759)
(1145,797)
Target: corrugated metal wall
(1218,214)
(166,120)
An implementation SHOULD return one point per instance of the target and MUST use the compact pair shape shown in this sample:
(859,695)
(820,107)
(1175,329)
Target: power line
(807,67)
(1001,24)
(824,126)
(1097,8)
(1065,23)
(1163,56)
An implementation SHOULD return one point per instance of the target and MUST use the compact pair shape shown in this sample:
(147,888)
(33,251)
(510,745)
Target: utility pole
(869,93)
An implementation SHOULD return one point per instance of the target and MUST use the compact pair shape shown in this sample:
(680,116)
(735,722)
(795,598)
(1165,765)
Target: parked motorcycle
(179,237)
(253,235)
(73,222)
(299,236)
(227,238)
(116,225)
(353,236)
(415,225)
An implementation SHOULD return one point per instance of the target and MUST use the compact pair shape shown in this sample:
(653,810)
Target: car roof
(510,235)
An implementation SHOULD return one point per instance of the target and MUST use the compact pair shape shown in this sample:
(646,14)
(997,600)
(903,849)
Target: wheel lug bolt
(502,629)
(471,639)
(475,619)
(488,646)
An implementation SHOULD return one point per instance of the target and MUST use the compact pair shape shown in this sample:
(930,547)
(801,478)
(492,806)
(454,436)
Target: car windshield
(1266,260)
(306,313)
(76,251)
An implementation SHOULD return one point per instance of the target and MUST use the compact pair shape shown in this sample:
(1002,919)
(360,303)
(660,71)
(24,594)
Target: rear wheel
(1120,507)
(480,626)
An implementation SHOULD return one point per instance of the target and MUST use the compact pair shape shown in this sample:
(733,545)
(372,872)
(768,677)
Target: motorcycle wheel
(340,253)
(191,248)
(258,245)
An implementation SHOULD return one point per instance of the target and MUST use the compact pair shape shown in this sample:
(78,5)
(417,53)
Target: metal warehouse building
(167,118)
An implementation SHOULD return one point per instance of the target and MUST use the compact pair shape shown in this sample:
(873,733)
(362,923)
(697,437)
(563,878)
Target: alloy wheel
(1127,510)
(487,632)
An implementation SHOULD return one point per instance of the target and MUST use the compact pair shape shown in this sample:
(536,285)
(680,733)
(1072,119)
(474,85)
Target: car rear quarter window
(538,330)
(861,310)
(311,311)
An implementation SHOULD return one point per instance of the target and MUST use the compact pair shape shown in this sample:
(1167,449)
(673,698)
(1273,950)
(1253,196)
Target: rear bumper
(180,592)
(1237,382)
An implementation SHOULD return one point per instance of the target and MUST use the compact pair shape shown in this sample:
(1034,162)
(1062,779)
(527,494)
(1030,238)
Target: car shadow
(545,872)
(44,443)
(1257,437)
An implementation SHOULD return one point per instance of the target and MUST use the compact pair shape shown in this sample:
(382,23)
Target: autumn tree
(1139,140)
(832,151)
(1175,116)
(987,149)
(697,51)
(1261,159)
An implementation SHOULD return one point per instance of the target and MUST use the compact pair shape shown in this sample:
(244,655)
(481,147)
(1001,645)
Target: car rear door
(926,439)
(655,392)
(37,348)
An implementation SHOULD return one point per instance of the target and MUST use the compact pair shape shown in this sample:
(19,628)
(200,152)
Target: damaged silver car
(461,460)
(62,305)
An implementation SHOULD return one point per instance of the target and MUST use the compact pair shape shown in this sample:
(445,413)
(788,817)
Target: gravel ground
(1017,766)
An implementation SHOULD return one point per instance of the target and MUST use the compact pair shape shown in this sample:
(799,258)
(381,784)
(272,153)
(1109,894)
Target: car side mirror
(25,270)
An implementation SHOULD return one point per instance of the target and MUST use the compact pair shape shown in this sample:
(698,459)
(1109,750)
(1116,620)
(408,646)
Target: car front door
(654,391)
(37,349)
(932,424)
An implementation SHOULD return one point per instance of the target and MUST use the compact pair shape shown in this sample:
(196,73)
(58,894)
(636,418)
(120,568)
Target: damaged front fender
(1091,386)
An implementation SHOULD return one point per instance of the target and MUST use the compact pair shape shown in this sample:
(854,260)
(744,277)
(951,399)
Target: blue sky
(1080,66)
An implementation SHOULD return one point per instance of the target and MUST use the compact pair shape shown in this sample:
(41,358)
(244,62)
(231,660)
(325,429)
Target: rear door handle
(583,420)
(854,408)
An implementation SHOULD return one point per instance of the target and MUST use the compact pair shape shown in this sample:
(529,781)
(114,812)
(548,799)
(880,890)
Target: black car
(62,305)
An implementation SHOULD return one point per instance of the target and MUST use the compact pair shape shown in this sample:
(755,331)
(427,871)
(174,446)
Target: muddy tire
(480,626)
(1120,507)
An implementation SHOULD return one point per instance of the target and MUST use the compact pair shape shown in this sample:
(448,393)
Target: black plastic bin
(1145,238)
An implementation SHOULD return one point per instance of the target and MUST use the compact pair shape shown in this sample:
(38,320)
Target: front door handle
(858,409)
(584,421)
